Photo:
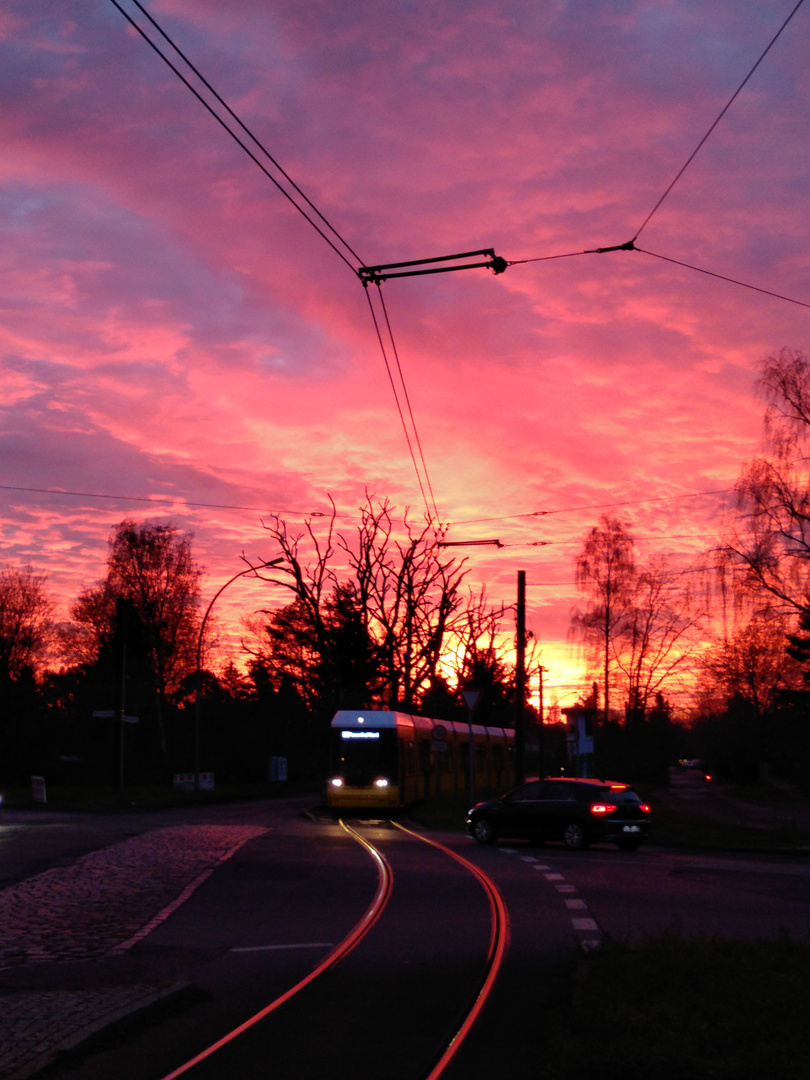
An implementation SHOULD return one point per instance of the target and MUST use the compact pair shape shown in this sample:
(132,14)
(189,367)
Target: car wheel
(574,836)
(628,845)
(483,831)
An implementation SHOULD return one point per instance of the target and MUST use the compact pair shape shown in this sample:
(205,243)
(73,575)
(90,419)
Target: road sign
(471,698)
(111,714)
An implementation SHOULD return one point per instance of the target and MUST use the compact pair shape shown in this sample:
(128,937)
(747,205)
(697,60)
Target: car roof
(615,785)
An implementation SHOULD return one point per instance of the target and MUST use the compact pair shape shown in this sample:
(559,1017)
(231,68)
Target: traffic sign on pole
(471,698)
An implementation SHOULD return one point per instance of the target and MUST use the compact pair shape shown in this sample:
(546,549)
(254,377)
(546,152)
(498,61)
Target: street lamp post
(198,687)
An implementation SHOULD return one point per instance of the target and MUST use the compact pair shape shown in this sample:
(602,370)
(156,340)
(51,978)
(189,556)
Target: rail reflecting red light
(498,942)
(385,882)
(496,950)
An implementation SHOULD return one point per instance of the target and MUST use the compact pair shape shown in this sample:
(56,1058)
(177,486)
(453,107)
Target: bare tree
(643,620)
(410,595)
(657,641)
(771,544)
(399,599)
(480,644)
(26,621)
(752,663)
(605,571)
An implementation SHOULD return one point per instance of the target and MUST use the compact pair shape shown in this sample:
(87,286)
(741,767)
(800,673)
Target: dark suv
(577,812)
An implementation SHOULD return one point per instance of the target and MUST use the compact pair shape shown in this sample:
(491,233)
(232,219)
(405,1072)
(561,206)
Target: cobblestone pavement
(98,907)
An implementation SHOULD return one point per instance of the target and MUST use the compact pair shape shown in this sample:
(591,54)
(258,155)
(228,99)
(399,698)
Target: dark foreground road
(290,889)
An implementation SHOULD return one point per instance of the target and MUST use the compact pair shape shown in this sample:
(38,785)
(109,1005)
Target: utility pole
(122,697)
(520,680)
(541,756)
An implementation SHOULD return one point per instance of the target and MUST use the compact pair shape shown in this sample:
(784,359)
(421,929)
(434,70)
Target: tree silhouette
(150,567)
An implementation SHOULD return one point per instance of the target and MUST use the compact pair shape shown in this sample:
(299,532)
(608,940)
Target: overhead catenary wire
(250,134)
(413,441)
(159,500)
(593,506)
(220,120)
(720,116)
(404,406)
(410,412)
(630,245)
(428,495)
(156,500)
(724,277)
(497,543)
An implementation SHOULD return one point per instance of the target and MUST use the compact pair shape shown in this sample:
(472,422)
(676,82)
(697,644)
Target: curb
(126,1013)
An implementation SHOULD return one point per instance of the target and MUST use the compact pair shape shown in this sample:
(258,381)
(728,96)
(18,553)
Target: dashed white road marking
(583,923)
(279,948)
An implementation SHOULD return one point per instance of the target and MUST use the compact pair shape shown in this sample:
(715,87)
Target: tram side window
(497,757)
(446,760)
(424,756)
(464,752)
(410,759)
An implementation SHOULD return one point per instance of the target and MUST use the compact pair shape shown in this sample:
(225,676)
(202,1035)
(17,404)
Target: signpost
(120,715)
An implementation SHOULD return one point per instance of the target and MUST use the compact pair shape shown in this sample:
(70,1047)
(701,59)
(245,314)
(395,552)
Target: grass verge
(670,1007)
(675,826)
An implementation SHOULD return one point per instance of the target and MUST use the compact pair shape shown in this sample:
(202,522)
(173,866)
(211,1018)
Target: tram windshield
(361,757)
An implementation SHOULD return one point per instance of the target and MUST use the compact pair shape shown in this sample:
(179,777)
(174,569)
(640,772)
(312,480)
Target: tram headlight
(381,782)
(336,781)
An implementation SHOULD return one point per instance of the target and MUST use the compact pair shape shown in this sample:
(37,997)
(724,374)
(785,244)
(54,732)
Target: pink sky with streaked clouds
(172,327)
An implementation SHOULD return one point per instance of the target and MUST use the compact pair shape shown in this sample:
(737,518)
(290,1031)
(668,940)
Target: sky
(178,343)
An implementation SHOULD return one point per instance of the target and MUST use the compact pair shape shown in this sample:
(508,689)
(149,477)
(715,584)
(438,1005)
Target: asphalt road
(267,916)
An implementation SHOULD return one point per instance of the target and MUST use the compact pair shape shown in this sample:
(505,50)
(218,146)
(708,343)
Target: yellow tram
(383,760)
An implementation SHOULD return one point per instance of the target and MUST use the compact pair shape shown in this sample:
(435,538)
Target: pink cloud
(172,327)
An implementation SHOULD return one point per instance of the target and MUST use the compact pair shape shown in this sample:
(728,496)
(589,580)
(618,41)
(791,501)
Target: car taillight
(644,808)
(602,808)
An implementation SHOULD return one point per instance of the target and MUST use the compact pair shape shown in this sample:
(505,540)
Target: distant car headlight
(336,781)
(382,782)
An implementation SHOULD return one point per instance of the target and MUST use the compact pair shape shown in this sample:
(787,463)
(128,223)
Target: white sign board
(184,781)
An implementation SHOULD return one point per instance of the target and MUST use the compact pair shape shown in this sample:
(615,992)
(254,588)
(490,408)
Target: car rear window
(621,798)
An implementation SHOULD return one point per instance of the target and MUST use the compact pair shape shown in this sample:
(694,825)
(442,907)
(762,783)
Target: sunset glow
(178,343)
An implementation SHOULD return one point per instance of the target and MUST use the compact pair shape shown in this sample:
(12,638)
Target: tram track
(469,1002)
(498,943)
(385,883)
